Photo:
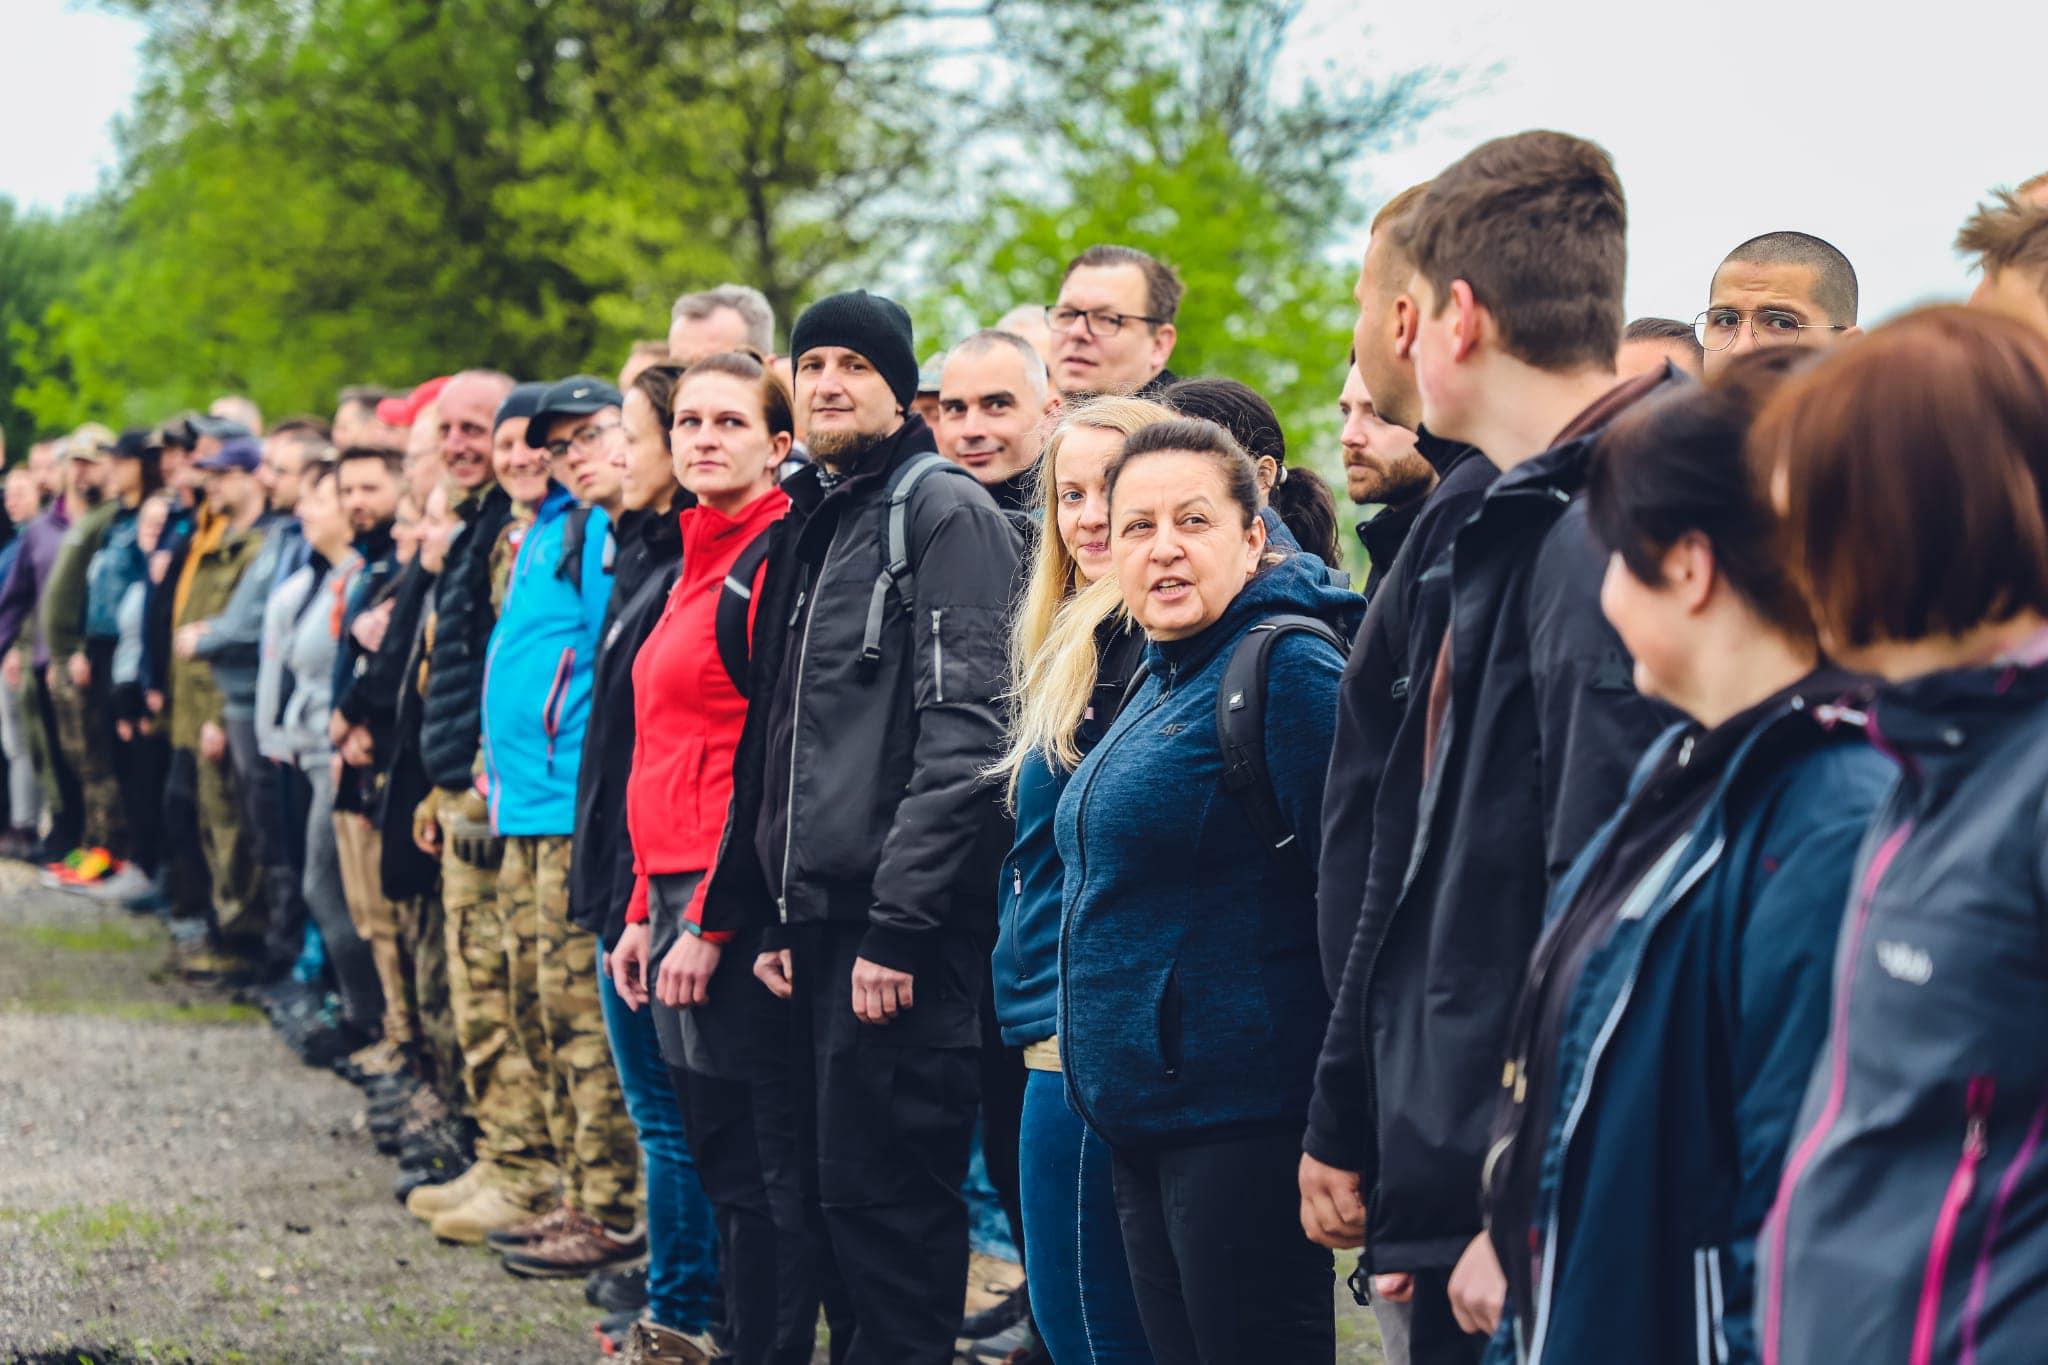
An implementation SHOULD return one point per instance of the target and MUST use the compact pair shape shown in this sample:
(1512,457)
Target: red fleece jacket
(687,712)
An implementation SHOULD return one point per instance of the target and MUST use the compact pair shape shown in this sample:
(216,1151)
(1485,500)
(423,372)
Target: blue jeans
(682,1237)
(1081,1294)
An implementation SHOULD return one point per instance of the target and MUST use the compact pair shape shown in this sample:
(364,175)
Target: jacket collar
(1563,466)
(1942,712)
(1298,584)
(812,490)
(1386,531)
(703,528)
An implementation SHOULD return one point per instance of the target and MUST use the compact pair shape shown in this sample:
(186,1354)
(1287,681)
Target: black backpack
(1241,731)
(735,597)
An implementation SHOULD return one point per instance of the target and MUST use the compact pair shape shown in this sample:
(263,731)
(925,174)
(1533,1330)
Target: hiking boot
(381,1058)
(617,1291)
(649,1343)
(583,1246)
(561,1218)
(491,1207)
(1005,1312)
(322,1046)
(429,1202)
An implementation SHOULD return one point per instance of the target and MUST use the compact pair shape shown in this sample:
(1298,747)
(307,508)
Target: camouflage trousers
(554,965)
(422,937)
(87,740)
(360,850)
(504,1088)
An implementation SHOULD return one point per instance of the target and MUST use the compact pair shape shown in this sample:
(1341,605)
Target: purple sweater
(31,571)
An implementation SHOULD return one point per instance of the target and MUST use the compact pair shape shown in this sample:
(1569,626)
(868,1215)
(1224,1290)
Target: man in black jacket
(1524,724)
(862,833)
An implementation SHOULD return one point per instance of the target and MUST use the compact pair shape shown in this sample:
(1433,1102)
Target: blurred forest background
(314,193)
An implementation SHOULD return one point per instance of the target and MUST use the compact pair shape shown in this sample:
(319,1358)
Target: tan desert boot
(429,1202)
(490,1207)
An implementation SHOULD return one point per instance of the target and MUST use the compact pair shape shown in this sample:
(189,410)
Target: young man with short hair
(1649,344)
(1112,325)
(1529,723)
(1779,289)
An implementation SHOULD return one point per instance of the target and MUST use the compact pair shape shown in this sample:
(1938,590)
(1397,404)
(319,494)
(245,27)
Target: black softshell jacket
(857,789)
(1532,753)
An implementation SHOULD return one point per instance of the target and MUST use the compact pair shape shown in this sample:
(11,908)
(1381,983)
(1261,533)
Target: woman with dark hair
(682,1257)
(1674,1004)
(1191,998)
(720,1030)
(1298,496)
(1911,1220)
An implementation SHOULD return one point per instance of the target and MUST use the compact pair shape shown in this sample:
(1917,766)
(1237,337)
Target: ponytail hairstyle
(1052,641)
(1299,495)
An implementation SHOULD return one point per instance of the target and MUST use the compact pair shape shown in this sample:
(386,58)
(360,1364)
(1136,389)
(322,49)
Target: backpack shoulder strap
(735,598)
(575,531)
(897,570)
(1241,730)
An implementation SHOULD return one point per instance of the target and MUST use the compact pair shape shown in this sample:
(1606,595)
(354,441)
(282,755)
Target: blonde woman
(1073,652)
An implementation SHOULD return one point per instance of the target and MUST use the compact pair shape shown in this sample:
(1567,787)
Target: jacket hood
(1939,710)
(1298,585)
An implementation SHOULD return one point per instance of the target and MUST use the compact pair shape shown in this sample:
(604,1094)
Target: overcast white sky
(1871,125)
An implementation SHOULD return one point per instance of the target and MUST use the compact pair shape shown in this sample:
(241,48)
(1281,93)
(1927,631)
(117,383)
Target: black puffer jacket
(1540,730)
(386,697)
(857,793)
(452,722)
(649,550)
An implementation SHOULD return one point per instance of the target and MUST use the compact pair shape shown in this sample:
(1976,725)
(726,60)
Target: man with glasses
(1112,329)
(1780,289)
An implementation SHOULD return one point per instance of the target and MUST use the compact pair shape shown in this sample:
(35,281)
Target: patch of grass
(42,999)
(89,938)
(79,1228)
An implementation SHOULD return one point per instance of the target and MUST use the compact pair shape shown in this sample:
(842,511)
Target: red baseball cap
(403,412)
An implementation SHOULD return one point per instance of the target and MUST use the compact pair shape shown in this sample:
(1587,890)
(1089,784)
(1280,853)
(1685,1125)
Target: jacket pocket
(962,658)
(558,695)
(1962,1184)
(1170,1032)
(2008,1185)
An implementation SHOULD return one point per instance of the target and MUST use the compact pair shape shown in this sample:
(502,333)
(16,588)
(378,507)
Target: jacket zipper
(1838,1081)
(551,709)
(1980,1278)
(938,659)
(1962,1183)
(1679,890)
(1081,840)
(813,592)
(1016,920)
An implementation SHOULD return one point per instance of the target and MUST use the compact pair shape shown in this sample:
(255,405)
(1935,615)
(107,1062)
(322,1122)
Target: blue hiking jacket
(1191,998)
(537,672)
(1684,1051)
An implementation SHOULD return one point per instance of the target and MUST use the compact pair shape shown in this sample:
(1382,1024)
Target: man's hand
(159,565)
(1396,1288)
(125,729)
(1478,1289)
(154,699)
(628,964)
(213,742)
(10,669)
(1332,1214)
(685,976)
(358,749)
(772,970)
(426,824)
(80,669)
(369,626)
(337,728)
(879,993)
(185,643)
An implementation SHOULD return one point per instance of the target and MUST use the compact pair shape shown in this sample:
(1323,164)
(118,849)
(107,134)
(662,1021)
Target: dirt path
(175,1186)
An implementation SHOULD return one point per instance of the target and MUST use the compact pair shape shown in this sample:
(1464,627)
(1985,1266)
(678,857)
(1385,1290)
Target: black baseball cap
(136,443)
(577,396)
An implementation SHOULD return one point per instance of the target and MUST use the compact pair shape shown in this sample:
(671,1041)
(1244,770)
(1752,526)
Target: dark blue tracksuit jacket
(1683,1050)
(1911,1223)
(1191,1001)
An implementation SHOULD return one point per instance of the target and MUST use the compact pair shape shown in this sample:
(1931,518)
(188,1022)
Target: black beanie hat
(869,324)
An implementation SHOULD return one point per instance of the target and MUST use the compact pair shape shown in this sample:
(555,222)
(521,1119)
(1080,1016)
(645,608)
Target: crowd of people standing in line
(693,808)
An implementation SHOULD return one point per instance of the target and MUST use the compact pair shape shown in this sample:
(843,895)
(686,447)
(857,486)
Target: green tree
(41,258)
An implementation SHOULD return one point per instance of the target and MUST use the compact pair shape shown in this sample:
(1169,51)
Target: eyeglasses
(586,439)
(1101,322)
(1717,328)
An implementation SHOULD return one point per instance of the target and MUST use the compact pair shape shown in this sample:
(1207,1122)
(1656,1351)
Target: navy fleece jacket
(1191,992)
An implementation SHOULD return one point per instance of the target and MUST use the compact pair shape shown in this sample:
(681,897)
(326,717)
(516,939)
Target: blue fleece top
(1191,998)
(537,674)
(1026,974)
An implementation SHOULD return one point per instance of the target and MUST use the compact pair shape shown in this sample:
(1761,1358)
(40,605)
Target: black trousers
(1002,1114)
(1212,1232)
(187,881)
(141,766)
(895,1108)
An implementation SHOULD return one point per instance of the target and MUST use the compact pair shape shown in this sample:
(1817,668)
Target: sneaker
(82,867)
(618,1291)
(1004,1312)
(561,1218)
(578,1249)
(612,1329)
(649,1343)
(493,1205)
(126,884)
(1016,1343)
(429,1202)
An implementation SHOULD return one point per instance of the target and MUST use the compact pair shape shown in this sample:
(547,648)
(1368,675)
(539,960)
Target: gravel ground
(175,1186)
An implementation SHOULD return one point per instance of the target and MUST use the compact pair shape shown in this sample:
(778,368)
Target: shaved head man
(2008,240)
(468,406)
(1780,289)
(994,394)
